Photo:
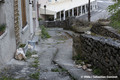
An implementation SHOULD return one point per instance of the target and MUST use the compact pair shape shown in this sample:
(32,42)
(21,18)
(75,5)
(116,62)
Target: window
(23,6)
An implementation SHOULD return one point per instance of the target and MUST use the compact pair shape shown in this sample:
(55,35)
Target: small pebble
(34,56)
(84,67)
(89,70)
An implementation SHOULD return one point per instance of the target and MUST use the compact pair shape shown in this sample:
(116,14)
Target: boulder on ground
(20,55)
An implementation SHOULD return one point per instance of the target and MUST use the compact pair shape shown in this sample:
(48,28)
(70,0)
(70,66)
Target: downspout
(31,20)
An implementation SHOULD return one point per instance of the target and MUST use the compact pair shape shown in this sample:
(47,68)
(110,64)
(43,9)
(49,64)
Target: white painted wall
(35,18)
(7,40)
(43,2)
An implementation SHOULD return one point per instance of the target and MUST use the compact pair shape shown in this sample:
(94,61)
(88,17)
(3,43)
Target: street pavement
(101,11)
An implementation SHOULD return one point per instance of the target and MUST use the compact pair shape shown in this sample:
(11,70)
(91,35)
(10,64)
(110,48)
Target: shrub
(97,71)
(39,19)
(2,27)
(28,54)
(22,45)
(44,32)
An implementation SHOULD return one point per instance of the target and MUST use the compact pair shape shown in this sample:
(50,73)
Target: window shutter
(23,6)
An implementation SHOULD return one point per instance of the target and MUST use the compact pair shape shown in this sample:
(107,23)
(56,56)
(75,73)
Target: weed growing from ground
(44,32)
(97,71)
(63,70)
(35,63)
(55,70)
(10,78)
(28,54)
(35,75)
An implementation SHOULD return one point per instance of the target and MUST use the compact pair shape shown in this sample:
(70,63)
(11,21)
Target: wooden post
(89,11)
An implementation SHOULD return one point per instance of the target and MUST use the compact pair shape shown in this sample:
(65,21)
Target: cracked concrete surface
(55,60)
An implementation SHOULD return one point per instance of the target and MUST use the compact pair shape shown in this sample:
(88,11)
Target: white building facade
(33,6)
(62,9)
(18,17)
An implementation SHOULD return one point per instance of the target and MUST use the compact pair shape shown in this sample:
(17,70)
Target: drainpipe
(31,18)
(36,6)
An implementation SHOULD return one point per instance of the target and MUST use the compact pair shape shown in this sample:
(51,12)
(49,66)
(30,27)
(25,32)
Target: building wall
(24,32)
(43,2)
(7,40)
(35,18)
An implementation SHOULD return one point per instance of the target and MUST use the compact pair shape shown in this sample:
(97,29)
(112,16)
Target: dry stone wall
(101,52)
(66,24)
(106,31)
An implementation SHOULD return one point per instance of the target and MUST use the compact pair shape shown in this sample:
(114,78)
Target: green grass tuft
(22,45)
(2,27)
(10,78)
(97,71)
(35,75)
(44,33)
(28,54)
(55,70)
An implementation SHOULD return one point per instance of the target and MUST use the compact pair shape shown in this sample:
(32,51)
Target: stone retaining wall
(66,24)
(101,52)
(71,23)
(106,31)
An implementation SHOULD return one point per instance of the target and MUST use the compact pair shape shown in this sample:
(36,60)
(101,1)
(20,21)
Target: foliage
(34,52)
(115,11)
(114,8)
(2,27)
(55,70)
(76,57)
(44,32)
(97,71)
(63,70)
(78,61)
(22,45)
(35,63)
(28,54)
(58,70)
(10,78)
(35,75)
(39,19)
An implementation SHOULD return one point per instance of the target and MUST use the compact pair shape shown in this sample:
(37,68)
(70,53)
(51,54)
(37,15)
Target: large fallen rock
(20,55)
